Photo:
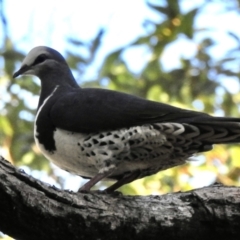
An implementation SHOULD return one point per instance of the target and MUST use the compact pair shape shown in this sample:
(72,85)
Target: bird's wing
(91,110)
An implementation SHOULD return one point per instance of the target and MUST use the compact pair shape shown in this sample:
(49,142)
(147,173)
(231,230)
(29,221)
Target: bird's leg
(101,175)
(124,180)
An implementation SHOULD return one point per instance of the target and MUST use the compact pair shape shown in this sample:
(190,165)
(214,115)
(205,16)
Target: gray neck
(51,78)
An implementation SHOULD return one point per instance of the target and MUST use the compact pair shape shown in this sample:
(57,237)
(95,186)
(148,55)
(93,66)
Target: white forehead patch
(33,54)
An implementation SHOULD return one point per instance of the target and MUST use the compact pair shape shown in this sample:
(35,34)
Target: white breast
(68,155)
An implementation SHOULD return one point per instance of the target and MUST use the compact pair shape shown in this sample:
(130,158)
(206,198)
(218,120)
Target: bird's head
(39,61)
(47,64)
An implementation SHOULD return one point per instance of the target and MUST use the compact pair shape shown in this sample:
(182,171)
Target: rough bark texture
(31,210)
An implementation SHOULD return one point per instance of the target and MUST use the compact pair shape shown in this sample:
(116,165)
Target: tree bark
(31,210)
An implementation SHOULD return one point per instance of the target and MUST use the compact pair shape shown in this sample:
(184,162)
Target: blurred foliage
(195,81)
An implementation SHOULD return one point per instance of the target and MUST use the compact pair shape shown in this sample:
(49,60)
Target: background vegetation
(201,82)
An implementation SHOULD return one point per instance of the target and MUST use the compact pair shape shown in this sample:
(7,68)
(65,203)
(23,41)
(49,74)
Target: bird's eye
(41,58)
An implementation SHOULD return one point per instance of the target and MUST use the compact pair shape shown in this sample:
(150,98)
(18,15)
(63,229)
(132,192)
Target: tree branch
(32,210)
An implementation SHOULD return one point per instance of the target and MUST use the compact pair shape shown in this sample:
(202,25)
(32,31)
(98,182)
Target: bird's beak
(21,71)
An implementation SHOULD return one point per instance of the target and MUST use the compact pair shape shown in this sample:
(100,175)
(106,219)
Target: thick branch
(31,210)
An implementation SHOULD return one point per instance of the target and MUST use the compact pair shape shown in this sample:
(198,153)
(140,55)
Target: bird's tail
(218,130)
(215,129)
(204,131)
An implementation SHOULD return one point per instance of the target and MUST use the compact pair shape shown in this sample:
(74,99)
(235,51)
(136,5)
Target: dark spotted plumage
(98,133)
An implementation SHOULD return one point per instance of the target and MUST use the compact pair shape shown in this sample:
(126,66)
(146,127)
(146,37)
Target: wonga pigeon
(102,134)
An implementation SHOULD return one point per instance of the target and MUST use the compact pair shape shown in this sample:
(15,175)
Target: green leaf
(5,126)
(109,62)
(235,155)
(160,9)
(187,24)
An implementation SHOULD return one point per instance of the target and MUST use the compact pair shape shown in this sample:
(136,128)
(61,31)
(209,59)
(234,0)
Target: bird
(104,134)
